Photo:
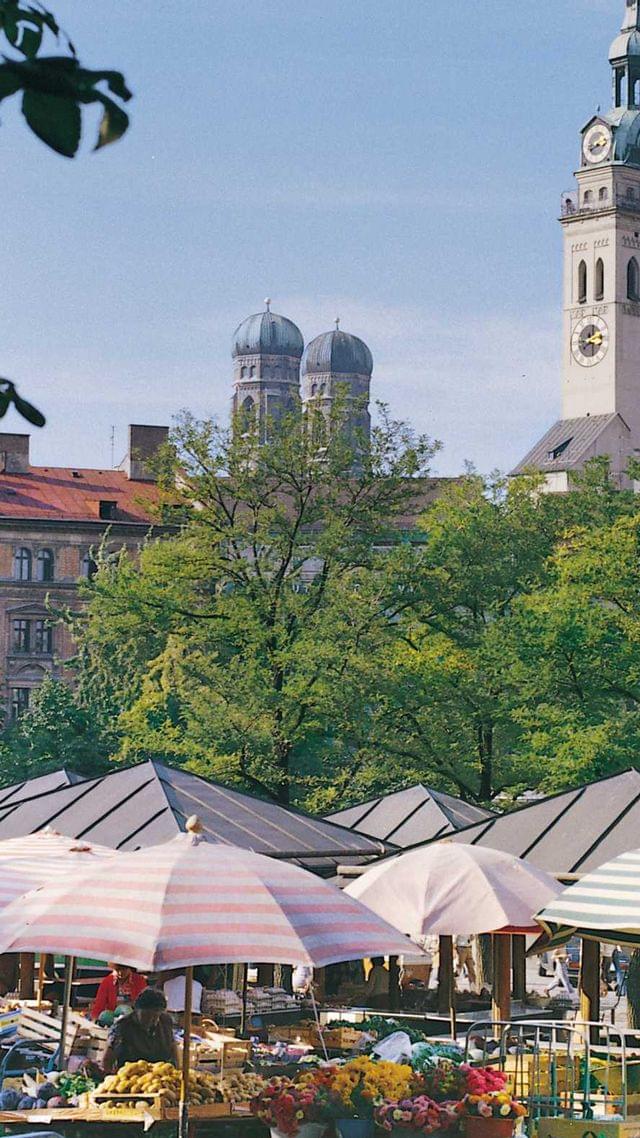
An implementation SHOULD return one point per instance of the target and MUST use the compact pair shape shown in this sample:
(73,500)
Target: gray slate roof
(149,803)
(407,817)
(569,833)
(40,785)
(583,434)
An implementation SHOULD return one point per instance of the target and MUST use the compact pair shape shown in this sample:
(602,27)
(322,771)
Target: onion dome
(267,334)
(337,353)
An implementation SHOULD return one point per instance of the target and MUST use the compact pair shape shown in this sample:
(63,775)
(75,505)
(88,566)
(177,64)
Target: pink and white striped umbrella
(191,902)
(36,859)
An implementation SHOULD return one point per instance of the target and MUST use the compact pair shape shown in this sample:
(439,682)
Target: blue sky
(399,162)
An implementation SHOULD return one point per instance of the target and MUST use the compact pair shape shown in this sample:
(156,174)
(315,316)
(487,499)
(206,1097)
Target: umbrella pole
(590,983)
(41,978)
(446,982)
(183,1123)
(243,1014)
(501,1002)
(69,963)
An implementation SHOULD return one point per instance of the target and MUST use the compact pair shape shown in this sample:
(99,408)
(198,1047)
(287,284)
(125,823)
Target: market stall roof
(31,786)
(149,803)
(406,817)
(571,833)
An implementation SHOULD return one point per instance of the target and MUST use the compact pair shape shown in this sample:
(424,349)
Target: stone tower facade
(336,375)
(601,325)
(266,351)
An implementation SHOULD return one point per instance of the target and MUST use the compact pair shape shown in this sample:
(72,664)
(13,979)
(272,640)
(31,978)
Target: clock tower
(601,327)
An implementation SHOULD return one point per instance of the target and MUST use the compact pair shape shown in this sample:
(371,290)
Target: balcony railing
(574,204)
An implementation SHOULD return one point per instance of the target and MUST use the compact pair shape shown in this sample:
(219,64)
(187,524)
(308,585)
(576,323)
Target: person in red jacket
(123,985)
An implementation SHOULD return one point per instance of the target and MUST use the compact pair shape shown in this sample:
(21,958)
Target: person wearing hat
(121,987)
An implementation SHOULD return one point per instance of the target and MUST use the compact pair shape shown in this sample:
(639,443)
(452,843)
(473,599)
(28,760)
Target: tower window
(44,565)
(635,98)
(560,449)
(633,280)
(587,197)
(21,635)
(314,388)
(22,564)
(604,194)
(244,371)
(88,567)
(43,639)
(247,415)
(599,289)
(107,509)
(19,701)
(582,282)
(252,371)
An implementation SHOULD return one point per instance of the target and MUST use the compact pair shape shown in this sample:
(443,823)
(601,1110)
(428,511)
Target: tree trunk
(633,990)
(485,752)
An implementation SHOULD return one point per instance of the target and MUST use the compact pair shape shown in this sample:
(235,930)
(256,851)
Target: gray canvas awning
(570,833)
(149,803)
(408,817)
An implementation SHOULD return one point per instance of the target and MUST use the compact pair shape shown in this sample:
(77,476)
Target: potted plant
(490,1115)
(418,1116)
(360,1086)
(293,1109)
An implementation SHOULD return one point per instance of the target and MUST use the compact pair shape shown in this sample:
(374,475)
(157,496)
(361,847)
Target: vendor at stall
(174,987)
(122,986)
(377,986)
(146,1033)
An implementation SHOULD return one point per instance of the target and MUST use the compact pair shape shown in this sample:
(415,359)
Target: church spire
(624,57)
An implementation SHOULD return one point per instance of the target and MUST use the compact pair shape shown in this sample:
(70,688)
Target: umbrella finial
(193,825)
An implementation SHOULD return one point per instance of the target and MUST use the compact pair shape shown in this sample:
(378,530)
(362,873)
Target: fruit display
(162,1079)
(235,1086)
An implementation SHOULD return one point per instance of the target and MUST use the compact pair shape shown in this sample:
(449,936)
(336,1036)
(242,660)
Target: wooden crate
(342,1038)
(583,1128)
(35,1025)
(91,1039)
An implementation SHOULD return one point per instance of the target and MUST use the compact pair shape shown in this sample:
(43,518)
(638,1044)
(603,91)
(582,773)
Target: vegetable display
(162,1079)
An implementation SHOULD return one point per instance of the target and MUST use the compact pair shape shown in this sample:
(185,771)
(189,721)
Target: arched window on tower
(252,371)
(636,93)
(603,195)
(621,87)
(582,282)
(599,286)
(244,371)
(587,198)
(633,280)
(247,415)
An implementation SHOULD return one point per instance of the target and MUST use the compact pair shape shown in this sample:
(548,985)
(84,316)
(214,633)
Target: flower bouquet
(443,1080)
(293,1109)
(419,1115)
(491,1115)
(358,1087)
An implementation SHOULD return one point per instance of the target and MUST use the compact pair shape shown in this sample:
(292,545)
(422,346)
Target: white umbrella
(449,888)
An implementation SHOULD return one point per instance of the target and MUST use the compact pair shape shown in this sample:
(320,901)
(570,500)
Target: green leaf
(56,120)
(113,125)
(28,411)
(9,82)
(30,41)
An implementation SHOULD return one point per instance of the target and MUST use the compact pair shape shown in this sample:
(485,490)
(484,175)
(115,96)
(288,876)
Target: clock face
(597,144)
(589,341)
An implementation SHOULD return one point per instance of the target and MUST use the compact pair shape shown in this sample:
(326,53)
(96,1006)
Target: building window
(244,371)
(43,639)
(252,371)
(560,449)
(21,635)
(599,289)
(588,197)
(22,564)
(19,701)
(44,565)
(107,510)
(633,280)
(582,282)
(88,567)
(314,388)
(604,194)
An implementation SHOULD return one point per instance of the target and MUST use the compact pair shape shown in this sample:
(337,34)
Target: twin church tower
(601,329)
(274,372)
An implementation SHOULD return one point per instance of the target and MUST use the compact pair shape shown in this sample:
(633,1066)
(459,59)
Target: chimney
(144,444)
(14,454)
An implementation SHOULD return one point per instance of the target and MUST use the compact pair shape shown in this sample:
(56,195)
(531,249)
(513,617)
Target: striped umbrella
(604,905)
(29,862)
(190,902)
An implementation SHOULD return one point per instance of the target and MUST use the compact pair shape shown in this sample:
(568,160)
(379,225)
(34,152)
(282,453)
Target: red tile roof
(60,493)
